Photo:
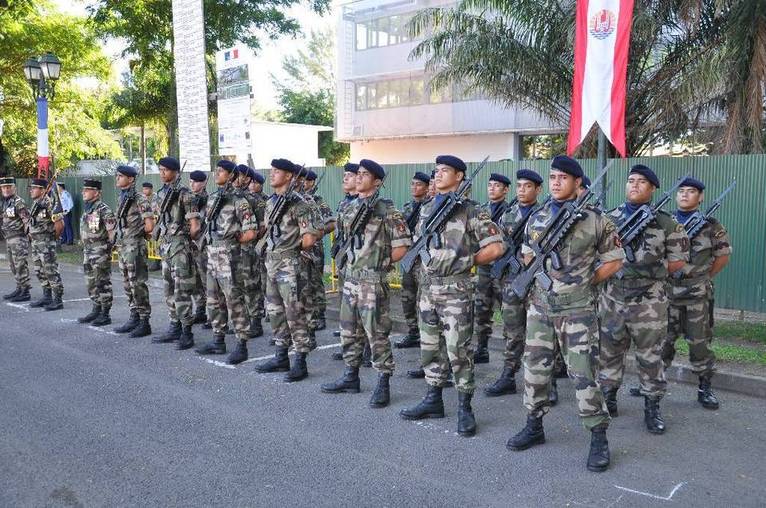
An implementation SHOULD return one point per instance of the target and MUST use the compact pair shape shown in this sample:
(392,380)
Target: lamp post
(42,74)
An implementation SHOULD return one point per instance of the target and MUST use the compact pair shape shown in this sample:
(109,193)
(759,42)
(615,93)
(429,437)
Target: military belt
(430,280)
(643,282)
(279,256)
(365,275)
(577,297)
(690,281)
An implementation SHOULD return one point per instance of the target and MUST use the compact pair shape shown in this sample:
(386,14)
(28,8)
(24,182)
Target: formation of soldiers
(235,257)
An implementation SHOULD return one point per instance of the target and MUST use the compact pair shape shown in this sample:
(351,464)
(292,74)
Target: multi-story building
(387,108)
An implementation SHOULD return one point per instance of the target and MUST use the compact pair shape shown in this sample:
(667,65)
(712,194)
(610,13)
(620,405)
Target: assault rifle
(122,211)
(498,215)
(412,218)
(355,238)
(168,200)
(278,211)
(546,246)
(634,225)
(602,192)
(436,221)
(55,197)
(697,221)
(316,184)
(508,260)
(214,210)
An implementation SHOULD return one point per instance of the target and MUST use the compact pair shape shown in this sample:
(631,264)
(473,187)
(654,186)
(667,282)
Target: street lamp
(42,74)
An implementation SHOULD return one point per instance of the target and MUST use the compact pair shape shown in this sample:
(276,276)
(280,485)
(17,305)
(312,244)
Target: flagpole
(601,160)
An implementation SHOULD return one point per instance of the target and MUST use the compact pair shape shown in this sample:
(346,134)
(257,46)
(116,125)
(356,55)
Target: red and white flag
(602,42)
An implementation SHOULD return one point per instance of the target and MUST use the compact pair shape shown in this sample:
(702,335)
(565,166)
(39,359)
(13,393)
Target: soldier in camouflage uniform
(364,307)
(229,225)
(197,182)
(565,313)
(14,217)
(316,281)
(409,292)
(135,221)
(259,290)
(45,226)
(446,309)
(634,305)
(691,290)
(179,224)
(97,231)
(489,291)
(514,309)
(147,189)
(286,238)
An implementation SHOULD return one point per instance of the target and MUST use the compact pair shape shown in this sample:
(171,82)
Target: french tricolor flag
(602,42)
(43,155)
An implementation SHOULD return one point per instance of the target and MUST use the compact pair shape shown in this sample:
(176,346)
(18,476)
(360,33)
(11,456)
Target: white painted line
(653,496)
(67,320)
(87,299)
(260,358)
(21,306)
(217,363)
(103,330)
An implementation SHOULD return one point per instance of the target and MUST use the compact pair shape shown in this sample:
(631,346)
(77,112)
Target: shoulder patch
(484,215)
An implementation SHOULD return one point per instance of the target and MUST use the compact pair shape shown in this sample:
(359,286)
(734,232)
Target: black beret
(91,184)
(242,169)
(39,182)
(451,161)
(528,174)
(226,165)
(373,167)
(283,164)
(646,172)
(61,184)
(127,170)
(9,180)
(419,175)
(497,177)
(170,163)
(197,176)
(585,182)
(311,176)
(147,185)
(568,165)
(258,177)
(690,181)
(350,166)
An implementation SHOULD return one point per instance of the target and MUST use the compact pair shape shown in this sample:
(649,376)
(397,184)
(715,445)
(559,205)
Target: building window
(361,36)
(394,93)
(381,32)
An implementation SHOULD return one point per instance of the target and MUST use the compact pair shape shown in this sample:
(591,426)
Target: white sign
(234,103)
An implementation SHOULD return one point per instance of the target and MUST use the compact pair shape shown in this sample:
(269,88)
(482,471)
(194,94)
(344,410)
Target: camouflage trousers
(365,316)
(514,327)
(409,297)
(287,315)
(179,274)
(576,332)
(224,289)
(446,328)
(250,280)
(488,296)
(135,273)
(316,282)
(97,266)
(18,252)
(692,321)
(644,321)
(200,285)
(46,264)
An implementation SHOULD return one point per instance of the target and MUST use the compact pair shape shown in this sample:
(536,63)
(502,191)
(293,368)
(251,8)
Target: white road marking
(21,306)
(218,363)
(88,299)
(260,358)
(653,496)
(102,330)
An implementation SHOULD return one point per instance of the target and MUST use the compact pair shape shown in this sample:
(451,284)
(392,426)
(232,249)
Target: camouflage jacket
(296,222)
(42,219)
(131,216)
(14,216)
(591,240)
(96,223)
(692,282)
(174,224)
(487,207)
(509,223)
(325,211)
(236,216)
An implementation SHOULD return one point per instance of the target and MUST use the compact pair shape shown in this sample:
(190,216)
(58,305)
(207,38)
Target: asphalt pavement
(93,418)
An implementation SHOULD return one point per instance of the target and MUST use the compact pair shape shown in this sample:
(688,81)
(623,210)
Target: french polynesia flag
(602,42)
(43,156)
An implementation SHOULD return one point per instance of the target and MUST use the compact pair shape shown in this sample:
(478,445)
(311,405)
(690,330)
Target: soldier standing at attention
(147,189)
(179,224)
(528,188)
(634,304)
(690,313)
(566,313)
(45,226)
(97,231)
(489,291)
(256,190)
(409,292)
(135,222)
(469,239)
(365,305)
(197,182)
(327,221)
(229,226)
(14,217)
(289,233)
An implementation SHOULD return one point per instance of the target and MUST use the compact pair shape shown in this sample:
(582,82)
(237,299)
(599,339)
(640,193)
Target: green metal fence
(740,286)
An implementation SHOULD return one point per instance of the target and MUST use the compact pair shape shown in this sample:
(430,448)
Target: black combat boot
(280,362)
(298,369)
(338,355)
(610,396)
(347,383)
(56,303)
(173,334)
(598,457)
(216,347)
(432,406)
(256,329)
(635,391)
(207,325)
(23,296)
(553,393)
(336,333)
(90,316)
(705,395)
(142,329)
(504,385)
(186,340)
(532,434)
(200,317)
(130,324)
(103,318)
(13,294)
(466,422)
(44,301)
(239,355)
(418,373)
(367,355)
(482,351)
(561,371)
(381,396)
(312,340)
(409,340)
(652,417)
